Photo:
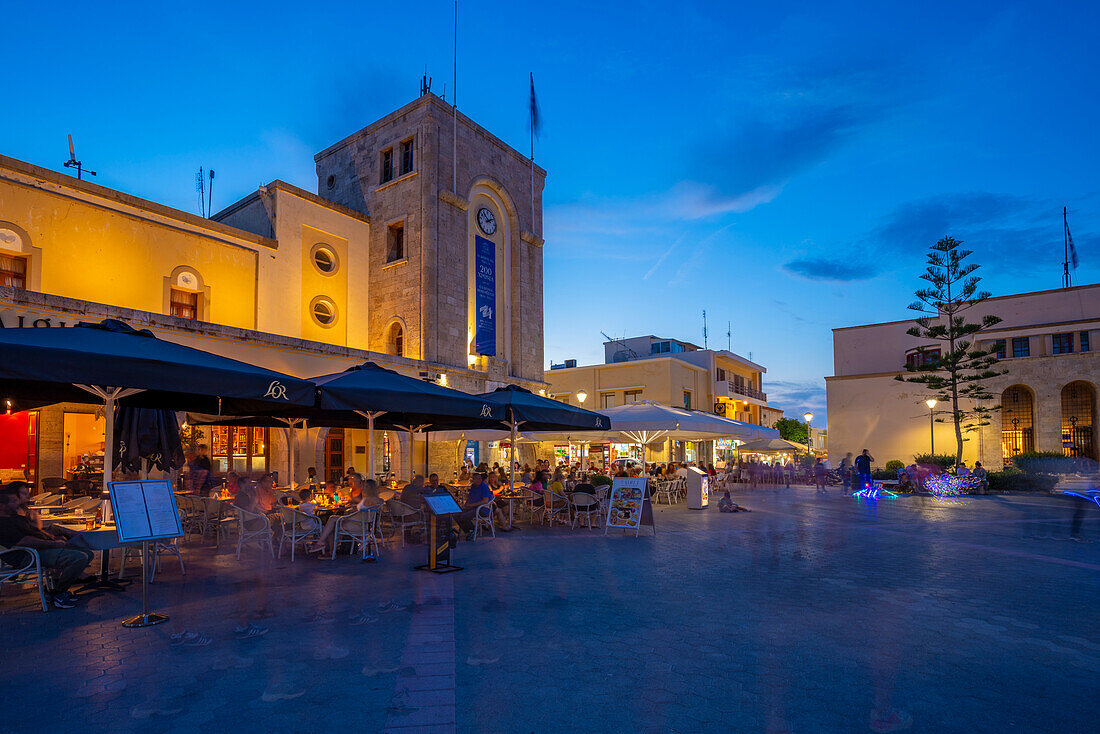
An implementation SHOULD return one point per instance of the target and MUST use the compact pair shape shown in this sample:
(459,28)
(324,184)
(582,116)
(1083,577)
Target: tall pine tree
(957,371)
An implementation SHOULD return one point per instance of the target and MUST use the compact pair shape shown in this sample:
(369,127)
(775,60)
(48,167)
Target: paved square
(802,616)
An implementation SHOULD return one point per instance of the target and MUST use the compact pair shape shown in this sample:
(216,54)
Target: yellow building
(670,372)
(379,266)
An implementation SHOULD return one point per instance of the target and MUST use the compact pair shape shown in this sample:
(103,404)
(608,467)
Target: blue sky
(783,166)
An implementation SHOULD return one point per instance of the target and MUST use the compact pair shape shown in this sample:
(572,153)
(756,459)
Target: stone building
(377,265)
(1047,396)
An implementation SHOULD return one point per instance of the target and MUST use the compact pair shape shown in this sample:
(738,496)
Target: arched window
(1017,422)
(1078,416)
(185,295)
(395,340)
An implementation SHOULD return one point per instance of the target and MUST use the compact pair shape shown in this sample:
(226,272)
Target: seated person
(728,505)
(264,493)
(479,495)
(305,501)
(498,513)
(411,494)
(53,549)
(982,476)
(368,500)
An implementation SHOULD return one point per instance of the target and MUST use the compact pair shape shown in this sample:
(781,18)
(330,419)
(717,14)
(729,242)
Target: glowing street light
(931,403)
(582,396)
(808,416)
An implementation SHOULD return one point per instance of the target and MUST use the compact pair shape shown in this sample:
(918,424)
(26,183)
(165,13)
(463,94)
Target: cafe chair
(483,518)
(554,506)
(587,506)
(359,527)
(20,565)
(213,518)
(403,517)
(298,527)
(157,549)
(253,528)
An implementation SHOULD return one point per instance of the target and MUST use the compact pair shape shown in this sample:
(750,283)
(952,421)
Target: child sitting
(727,505)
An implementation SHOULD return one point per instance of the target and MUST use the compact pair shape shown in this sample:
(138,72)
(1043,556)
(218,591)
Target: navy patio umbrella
(147,433)
(521,407)
(115,362)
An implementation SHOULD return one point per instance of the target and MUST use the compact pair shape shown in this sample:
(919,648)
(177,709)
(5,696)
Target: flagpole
(1065,236)
(532,126)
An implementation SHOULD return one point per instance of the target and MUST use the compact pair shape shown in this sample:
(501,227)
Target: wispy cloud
(838,270)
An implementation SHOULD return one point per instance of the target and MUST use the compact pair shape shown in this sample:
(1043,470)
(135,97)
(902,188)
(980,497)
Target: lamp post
(809,441)
(931,403)
(582,396)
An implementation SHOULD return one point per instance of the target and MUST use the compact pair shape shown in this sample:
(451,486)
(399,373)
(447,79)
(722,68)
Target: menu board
(624,508)
(441,504)
(145,510)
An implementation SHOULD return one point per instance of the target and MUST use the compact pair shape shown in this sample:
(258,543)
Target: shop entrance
(240,449)
(82,451)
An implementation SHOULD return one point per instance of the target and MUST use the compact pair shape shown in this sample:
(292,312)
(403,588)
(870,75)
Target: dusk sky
(784,169)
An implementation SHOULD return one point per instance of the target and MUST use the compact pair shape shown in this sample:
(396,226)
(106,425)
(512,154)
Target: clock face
(486,221)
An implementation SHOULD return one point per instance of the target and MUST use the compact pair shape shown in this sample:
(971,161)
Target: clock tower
(455,247)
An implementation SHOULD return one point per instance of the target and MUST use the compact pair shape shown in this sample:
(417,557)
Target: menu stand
(145,511)
(441,536)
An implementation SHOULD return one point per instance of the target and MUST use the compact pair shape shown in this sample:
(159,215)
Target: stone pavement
(802,616)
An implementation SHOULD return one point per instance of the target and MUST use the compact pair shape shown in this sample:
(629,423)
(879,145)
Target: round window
(324,311)
(331,181)
(324,259)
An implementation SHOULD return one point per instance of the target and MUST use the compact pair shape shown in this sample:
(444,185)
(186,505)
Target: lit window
(387,165)
(1021,346)
(13,271)
(1063,343)
(323,311)
(395,245)
(1084,341)
(184,304)
(325,259)
(406,157)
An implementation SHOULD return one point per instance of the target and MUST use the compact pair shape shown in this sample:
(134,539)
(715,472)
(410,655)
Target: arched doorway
(1017,422)
(1078,415)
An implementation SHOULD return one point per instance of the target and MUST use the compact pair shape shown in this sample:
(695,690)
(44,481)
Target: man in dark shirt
(17,529)
(863,470)
(480,494)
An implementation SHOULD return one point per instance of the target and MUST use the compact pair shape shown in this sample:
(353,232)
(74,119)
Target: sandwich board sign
(627,507)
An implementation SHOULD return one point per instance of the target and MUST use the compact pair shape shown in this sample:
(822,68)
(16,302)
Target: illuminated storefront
(18,446)
(239,449)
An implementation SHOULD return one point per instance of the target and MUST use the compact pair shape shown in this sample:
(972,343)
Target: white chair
(403,517)
(483,518)
(554,506)
(587,506)
(253,527)
(213,518)
(359,527)
(298,527)
(23,569)
(159,548)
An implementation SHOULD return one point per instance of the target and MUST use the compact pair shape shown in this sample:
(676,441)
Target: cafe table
(104,539)
(512,497)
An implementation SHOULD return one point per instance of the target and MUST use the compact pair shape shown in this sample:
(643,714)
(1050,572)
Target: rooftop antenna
(622,343)
(425,82)
(210,195)
(704,328)
(200,186)
(74,163)
(729,336)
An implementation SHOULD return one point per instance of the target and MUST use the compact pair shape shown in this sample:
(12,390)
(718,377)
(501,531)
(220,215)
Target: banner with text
(485,301)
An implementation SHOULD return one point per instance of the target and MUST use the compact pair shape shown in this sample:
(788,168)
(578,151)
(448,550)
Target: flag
(535,123)
(1069,240)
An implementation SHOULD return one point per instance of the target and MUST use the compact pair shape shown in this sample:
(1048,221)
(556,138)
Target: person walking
(846,472)
(863,469)
(819,476)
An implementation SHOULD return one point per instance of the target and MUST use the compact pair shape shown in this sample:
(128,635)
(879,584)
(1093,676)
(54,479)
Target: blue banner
(485,300)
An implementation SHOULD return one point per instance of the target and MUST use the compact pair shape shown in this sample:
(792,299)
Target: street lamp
(809,417)
(931,403)
(582,396)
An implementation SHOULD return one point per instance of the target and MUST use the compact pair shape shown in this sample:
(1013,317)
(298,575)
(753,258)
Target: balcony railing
(748,391)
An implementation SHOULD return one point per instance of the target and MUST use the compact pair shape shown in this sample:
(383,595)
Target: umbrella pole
(512,455)
(370,445)
(290,455)
(109,442)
